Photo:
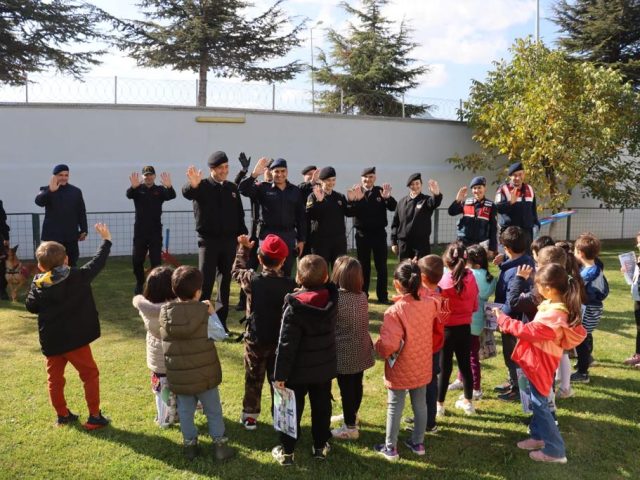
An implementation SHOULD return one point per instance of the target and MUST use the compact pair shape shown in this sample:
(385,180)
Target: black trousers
(215,259)
(413,249)
(376,243)
(636,312)
(351,395)
(320,400)
(330,248)
(73,252)
(508,345)
(142,245)
(456,340)
(584,351)
(3,270)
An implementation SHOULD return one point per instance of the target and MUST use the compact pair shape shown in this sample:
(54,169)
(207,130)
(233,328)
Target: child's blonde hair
(50,255)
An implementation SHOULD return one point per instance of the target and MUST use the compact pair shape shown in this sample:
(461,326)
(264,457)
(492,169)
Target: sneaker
(440,411)
(222,451)
(504,388)
(510,396)
(468,407)
(455,385)
(633,360)
(530,444)
(390,453)
(321,453)
(432,430)
(417,448)
(250,423)
(67,419)
(96,422)
(578,377)
(191,450)
(562,393)
(408,420)
(477,395)
(337,418)
(540,456)
(284,459)
(346,433)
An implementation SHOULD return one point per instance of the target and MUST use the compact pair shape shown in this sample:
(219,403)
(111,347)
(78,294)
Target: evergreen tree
(212,36)
(36,35)
(606,32)
(370,67)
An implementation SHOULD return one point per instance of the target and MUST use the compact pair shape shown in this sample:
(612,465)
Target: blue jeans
(212,408)
(395,405)
(543,427)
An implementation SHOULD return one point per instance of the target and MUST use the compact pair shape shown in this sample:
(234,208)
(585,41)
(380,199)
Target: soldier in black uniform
(371,233)
(478,222)
(147,230)
(411,226)
(4,244)
(281,207)
(309,180)
(516,202)
(219,215)
(327,210)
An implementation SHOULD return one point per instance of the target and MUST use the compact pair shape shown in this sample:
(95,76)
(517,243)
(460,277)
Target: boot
(222,451)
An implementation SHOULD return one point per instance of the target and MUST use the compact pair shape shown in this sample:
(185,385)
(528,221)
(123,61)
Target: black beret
(308,168)
(327,172)
(478,181)
(516,167)
(413,177)
(217,158)
(148,170)
(278,163)
(60,168)
(368,171)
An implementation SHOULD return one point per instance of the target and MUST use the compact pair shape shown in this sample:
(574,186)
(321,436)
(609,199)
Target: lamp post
(313,89)
(537,20)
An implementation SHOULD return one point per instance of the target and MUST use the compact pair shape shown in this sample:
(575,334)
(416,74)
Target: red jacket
(459,307)
(438,322)
(410,320)
(541,342)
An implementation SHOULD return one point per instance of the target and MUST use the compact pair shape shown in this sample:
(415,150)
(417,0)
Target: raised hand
(315,178)
(318,192)
(53,184)
(300,248)
(434,187)
(386,190)
(514,196)
(134,178)
(524,271)
(245,241)
(498,259)
(462,194)
(394,249)
(260,167)
(165,178)
(194,176)
(103,231)
(244,161)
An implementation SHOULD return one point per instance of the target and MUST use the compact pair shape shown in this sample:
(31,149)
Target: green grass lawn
(600,424)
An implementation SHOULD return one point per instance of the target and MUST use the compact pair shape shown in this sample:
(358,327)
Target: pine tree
(36,35)
(369,67)
(606,32)
(212,36)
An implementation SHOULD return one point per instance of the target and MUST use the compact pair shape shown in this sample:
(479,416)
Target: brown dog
(17,273)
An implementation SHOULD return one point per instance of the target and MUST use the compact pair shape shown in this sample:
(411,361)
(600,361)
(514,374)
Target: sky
(459,39)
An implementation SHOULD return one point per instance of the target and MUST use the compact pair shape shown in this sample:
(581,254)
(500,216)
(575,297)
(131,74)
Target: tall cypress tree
(369,67)
(214,36)
(36,35)
(606,32)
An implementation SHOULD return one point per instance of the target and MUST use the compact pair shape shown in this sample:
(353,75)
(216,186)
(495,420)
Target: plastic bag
(215,330)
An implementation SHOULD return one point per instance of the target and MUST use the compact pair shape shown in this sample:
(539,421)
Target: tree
(36,35)
(212,36)
(570,123)
(606,32)
(370,67)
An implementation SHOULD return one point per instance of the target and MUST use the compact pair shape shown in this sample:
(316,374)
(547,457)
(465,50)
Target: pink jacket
(459,308)
(410,320)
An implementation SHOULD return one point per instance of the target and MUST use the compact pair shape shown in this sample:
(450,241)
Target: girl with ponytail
(556,327)
(460,293)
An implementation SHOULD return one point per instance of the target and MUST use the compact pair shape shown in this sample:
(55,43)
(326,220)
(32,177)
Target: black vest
(267,300)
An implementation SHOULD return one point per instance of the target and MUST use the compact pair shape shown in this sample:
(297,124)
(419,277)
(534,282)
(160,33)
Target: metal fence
(246,95)
(26,228)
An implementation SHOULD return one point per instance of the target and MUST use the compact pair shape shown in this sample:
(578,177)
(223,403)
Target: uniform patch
(233,194)
(379,199)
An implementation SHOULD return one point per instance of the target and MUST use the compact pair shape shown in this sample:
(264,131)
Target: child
(587,248)
(460,290)
(541,342)
(157,291)
(265,294)
(68,323)
(478,262)
(634,360)
(516,243)
(306,355)
(406,332)
(354,348)
(192,363)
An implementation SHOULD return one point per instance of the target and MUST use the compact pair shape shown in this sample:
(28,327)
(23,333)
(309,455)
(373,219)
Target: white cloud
(437,76)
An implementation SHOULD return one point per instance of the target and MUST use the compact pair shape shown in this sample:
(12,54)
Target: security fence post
(35,230)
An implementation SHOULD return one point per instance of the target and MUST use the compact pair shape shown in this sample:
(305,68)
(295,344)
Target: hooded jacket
(63,300)
(150,314)
(459,306)
(307,346)
(541,342)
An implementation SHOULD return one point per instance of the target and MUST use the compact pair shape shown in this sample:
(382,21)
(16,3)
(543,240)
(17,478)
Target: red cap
(274,247)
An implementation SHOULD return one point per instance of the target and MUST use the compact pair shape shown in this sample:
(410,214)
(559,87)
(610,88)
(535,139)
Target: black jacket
(63,300)
(217,208)
(307,346)
(65,216)
(371,214)
(412,220)
(4,227)
(148,203)
(478,222)
(328,216)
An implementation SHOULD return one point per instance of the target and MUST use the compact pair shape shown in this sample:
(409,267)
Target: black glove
(244,161)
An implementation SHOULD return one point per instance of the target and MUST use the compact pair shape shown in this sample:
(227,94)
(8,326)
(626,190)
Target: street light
(313,89)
